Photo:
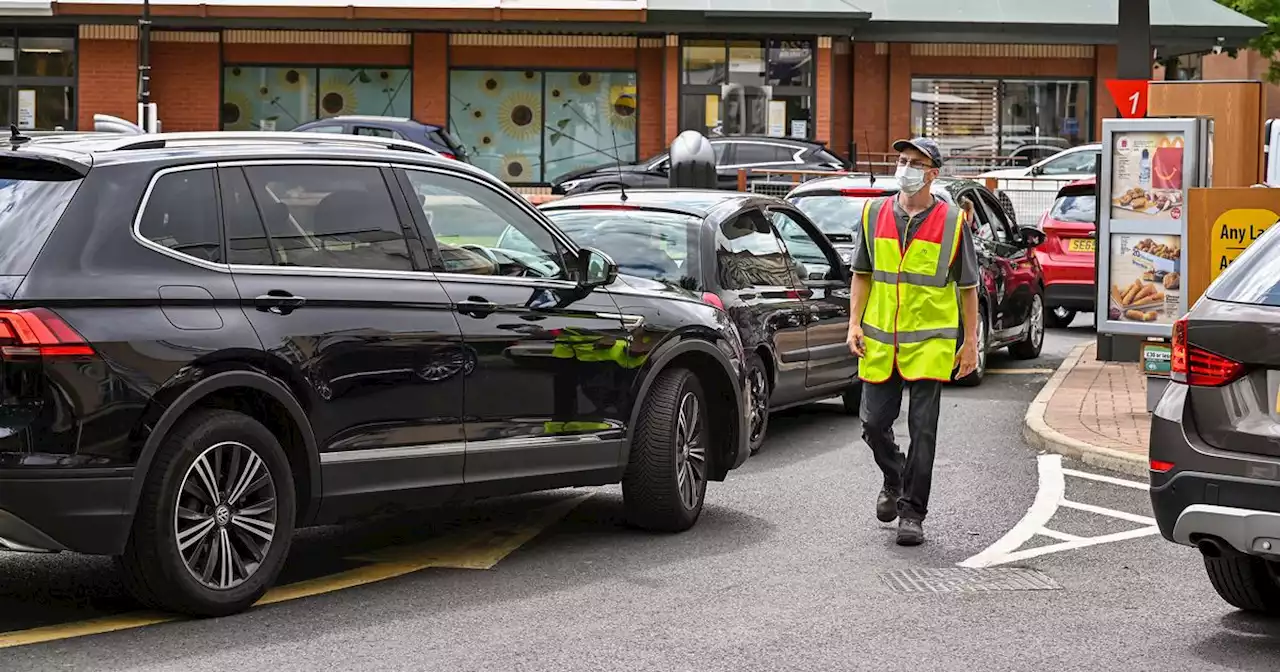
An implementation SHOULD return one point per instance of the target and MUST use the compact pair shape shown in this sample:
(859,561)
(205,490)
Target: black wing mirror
(596,269)
(1031,237)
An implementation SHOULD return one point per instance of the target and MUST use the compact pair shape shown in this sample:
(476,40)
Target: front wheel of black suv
(215,519)
(1245,582)
(666,477)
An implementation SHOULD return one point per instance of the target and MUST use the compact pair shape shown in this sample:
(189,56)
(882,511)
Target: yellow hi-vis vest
(912,318)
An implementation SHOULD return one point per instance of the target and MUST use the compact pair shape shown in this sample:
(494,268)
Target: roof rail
(161,140)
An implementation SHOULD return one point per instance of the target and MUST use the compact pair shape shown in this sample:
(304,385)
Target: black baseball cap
(923,145)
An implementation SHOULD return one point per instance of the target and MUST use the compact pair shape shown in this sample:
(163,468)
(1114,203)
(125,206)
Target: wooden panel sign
(1221,223)
(1238,111)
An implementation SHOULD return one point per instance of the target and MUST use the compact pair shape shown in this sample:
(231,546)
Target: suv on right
(209,340)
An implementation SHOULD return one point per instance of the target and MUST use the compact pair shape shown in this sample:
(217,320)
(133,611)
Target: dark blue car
(401,128)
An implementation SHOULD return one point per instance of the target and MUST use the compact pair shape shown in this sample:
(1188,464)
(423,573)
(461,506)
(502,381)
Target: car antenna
(617,162)
(871,170)
(16,138)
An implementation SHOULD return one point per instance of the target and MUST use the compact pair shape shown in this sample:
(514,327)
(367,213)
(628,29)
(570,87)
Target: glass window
(834,215)
(747,63)
(247,241)
(378,132)
(1254,277)
(54,106)
(329,216)
(810,262)
(8,53)
(790,63)
(704,62)
(280,98)
(749,254)
(655,245)
(748,87)
(995,216)
(29,209)
(532,127)
(750,153)
(46,56)
(1045,112)
(1075,163)
(182,215)
(325,129)
(1082,208)
(482,232)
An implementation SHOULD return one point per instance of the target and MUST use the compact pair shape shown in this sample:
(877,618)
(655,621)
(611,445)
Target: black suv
(209,340)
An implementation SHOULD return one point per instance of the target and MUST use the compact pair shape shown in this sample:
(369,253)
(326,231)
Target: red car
(1067,255)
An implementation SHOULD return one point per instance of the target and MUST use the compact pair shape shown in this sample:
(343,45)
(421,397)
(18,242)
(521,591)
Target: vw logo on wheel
(222,515)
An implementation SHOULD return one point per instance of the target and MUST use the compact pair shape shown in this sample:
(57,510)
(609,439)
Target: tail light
(862,192)
(608,206)
(1161,467)
(713,300)
(1197,366)
(447,155)
(38,332)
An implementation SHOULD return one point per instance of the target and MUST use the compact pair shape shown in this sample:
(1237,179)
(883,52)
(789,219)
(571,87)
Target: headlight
(846,256)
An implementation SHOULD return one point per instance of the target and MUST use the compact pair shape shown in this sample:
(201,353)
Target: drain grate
(967,580)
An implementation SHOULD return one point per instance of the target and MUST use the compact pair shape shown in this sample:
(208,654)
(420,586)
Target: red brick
(431,78)
(651,91)
(108,80)
(185,81)
(822,106)
(542,58)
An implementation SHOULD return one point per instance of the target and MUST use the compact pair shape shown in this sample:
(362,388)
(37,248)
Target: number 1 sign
(1130,96)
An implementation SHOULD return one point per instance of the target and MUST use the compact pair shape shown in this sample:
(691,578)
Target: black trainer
(887,504)
(910,532)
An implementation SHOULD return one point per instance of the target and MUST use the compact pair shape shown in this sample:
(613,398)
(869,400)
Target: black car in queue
(1011,293)
(757,258)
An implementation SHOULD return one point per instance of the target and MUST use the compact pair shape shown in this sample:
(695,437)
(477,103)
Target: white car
(1031,190)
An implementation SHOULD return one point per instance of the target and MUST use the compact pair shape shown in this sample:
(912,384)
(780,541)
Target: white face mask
(910,179)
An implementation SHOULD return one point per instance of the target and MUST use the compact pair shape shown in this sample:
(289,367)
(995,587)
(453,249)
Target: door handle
(278,301)
(477,306)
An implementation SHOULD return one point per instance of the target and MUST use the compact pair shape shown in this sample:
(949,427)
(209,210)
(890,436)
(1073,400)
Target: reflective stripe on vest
(912,319)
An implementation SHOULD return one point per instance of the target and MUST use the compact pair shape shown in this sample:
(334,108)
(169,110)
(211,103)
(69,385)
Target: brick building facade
(631,74)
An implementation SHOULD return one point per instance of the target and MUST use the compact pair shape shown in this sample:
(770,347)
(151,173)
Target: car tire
(656,493)
(1031,344)
(852,399)
(254,517)
(984,339)
(758,420)
(1059,317)
(1245,582)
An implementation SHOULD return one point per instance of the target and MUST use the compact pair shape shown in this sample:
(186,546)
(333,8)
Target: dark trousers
(912,474)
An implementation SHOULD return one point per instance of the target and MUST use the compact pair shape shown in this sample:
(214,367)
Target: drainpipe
(146,118)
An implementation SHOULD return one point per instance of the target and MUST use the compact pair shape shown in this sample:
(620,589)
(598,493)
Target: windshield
(1082,208)
(1254,277)
(838,215)
(655,245)
(29,209)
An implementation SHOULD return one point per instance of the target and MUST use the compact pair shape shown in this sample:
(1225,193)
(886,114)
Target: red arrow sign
(1130,96)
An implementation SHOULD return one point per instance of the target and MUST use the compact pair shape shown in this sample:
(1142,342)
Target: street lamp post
(145,118)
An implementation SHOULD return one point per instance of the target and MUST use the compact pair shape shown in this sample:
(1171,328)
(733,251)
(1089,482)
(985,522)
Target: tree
(1268,43)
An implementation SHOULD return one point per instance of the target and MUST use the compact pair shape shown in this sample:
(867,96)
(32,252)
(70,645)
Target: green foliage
(1268,43)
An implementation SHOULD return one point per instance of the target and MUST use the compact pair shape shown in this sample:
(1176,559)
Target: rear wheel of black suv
(666,478)
(215,519)
(1246,582)
(758,421)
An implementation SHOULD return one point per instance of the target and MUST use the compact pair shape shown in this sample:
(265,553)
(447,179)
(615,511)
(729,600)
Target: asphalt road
(785,571)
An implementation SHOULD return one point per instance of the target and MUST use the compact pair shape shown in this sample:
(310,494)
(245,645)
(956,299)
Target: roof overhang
(10,8)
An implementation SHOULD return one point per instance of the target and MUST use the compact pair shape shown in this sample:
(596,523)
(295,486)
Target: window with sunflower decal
(279,98)
(533,126)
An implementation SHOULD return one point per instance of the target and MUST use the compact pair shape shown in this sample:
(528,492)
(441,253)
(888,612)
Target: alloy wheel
(982,346)
(759,403)
(691,454)
(225,517)
(1037,321)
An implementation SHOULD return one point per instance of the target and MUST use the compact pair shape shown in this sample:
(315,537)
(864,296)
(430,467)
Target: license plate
(1081,245)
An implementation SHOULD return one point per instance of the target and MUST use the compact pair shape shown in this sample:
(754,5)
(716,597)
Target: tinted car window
(323,129)
(808,259)
(1081,208)
(29,209)
(654,245)
(329,216)
(182,214)
(1071,164)
(834,215)
(247,242)
(480,232)
(749,254)
(752,152)
(378,132)
(1254,277)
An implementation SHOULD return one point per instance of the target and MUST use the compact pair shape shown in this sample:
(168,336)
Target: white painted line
(1052,487)
(1136,485)
(1060,536)
(1072,545)
(1103,511)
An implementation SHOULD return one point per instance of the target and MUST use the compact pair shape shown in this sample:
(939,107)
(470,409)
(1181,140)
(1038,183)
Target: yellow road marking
(474,547)
(1021,372)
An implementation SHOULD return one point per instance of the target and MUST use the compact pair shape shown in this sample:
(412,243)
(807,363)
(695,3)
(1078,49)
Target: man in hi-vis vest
(915,287)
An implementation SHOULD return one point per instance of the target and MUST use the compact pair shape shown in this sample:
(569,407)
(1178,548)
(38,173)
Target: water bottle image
(1144,170)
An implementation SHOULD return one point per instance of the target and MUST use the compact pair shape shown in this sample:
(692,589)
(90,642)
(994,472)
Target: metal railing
(1030,197)
(778,182)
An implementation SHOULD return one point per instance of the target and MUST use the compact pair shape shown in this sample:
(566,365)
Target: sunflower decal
(337,96)
(520,115)
(622,112)
(237,112)
(516,168)
(290,81)
(490,85)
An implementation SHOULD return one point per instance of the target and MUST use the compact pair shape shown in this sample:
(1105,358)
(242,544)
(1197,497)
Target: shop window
(46,57)
(531,127)
(280,98)
(37,79)
(748,87)
(989,123)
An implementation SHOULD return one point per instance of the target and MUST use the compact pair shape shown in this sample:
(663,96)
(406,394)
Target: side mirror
(1037,171)
(1031,236)
(596,269)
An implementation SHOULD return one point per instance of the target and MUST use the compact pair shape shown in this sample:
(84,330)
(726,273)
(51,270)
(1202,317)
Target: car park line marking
(477,547)
(1051,496)
(1136,485)
(1022,372)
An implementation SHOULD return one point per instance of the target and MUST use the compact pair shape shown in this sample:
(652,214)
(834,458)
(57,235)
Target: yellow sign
(1232,232)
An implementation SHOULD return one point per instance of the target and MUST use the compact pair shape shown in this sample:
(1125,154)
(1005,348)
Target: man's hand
(967,359)
(855,342)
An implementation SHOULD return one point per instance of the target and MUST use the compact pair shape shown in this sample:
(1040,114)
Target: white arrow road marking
(1050,496)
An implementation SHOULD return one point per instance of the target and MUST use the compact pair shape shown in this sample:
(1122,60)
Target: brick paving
(1103,404)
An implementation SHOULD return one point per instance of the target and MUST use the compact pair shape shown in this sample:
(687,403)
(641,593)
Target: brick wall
(842,100)
(652,130)
(312,54)
(823,81)
(431,78)
(185,81)
(107,81)
(543,58)
(870,99)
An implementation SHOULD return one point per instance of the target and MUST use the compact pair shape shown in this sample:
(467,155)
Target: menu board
(1146,278)
(1146,176)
